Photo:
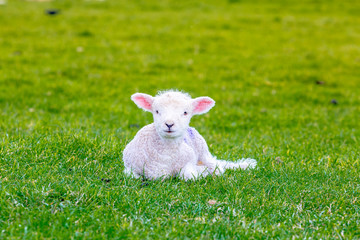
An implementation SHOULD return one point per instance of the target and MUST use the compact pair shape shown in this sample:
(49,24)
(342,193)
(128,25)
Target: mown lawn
(285,76)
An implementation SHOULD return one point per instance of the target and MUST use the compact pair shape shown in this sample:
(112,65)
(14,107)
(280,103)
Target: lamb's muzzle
(169,125)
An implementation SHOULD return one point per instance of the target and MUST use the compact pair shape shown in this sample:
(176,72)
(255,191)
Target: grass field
(285,78)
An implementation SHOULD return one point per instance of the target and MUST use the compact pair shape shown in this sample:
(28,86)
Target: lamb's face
(172,114)
(172,111)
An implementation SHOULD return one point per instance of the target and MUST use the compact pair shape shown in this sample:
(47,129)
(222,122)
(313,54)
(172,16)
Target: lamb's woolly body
(154,153)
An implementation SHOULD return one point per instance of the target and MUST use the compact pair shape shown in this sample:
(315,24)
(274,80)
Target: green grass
(66,116)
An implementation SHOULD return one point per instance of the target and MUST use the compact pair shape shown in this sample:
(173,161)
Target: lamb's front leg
(244,163)
(219,166)
(192,171)
(209,161)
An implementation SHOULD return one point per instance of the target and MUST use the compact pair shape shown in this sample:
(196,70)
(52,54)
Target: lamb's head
(172,110)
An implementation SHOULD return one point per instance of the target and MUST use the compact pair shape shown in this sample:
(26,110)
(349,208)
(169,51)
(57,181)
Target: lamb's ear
(143,101)
(202,105)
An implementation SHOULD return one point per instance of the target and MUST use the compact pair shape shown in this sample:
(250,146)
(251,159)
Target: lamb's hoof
(251,163)
(247,163)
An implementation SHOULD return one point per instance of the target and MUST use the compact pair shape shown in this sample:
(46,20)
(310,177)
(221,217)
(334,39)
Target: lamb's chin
(169,134)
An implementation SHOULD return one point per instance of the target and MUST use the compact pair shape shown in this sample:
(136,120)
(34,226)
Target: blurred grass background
(284,75)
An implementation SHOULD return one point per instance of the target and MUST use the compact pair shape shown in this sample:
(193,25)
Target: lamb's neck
(173,142)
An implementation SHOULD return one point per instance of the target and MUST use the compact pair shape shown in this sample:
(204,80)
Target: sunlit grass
(285,78)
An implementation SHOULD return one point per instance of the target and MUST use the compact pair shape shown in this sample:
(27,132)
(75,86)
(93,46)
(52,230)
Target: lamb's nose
(169,125)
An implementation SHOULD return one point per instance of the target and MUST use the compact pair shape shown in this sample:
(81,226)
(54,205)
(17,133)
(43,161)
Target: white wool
(169,147)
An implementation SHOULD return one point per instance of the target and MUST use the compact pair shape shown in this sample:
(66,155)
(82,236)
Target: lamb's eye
(157,112)
(185,113)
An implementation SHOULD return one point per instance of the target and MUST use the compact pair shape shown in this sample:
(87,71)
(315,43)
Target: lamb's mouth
(168,131)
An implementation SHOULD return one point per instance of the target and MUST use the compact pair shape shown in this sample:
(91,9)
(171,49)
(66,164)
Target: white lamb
(169,147)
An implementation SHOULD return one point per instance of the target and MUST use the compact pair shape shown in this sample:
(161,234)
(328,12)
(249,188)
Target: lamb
(168,146)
